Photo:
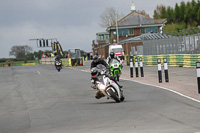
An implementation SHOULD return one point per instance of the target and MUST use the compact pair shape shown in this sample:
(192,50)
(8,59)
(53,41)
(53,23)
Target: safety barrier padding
(180,60)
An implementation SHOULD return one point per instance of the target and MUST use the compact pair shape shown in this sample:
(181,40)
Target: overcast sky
(73,22)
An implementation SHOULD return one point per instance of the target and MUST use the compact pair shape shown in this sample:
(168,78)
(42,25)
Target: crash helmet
(94,71)
(112,54)
(95,57)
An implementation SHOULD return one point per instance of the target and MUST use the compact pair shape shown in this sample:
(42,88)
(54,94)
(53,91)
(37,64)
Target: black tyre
(58,69)
(117,75)
(114,95)
(122,97)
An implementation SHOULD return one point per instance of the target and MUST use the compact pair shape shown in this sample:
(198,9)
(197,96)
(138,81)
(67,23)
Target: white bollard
(166,70)
(159,71)
(141,67)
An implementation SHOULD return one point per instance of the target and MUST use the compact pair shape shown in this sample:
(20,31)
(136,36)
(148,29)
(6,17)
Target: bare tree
(143,12)
(20,51)
(109,17)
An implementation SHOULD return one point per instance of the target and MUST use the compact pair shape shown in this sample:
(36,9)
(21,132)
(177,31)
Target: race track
(38,99)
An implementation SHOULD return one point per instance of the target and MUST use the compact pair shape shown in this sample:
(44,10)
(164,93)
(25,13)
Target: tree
(143,12)
(170,15)
(109,17)
(182,10)
(157,12)
(155,16)
(20,51)
(177,13)
(198,16)
(163,12)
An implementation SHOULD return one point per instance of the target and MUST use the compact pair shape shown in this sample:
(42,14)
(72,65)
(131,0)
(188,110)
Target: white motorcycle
(105,85)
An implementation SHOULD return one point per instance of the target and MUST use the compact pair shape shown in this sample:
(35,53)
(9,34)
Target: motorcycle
(105,85)
(58,65)
(115,68)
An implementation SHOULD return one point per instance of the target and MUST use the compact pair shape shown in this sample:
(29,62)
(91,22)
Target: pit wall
(180,60)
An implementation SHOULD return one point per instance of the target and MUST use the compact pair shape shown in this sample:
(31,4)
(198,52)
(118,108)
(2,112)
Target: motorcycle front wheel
(114,95)
(117,75)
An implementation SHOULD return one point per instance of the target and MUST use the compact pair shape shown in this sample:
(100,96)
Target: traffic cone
(81,62)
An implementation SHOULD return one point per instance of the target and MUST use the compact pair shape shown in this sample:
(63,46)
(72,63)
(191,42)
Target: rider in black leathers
(94,63)
(58,59)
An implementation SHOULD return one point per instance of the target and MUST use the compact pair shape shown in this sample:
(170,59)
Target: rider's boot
(99,95)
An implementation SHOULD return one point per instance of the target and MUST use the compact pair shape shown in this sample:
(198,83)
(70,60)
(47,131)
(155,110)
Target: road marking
(38,72)
(155,86)
(164,89)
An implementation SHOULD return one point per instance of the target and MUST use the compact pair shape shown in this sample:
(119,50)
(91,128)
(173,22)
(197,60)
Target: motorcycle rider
(112,56)
(58,59)
(95,62)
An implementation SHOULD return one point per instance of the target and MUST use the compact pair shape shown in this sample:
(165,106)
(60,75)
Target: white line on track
(153,86)
(164,89)
(38,72)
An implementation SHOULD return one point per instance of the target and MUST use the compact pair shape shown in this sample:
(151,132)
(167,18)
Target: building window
(149,29)
(123,32)
(130,32)
(107,37)
(101,37)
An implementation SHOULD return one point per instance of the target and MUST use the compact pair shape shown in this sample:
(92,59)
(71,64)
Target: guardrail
(180,60)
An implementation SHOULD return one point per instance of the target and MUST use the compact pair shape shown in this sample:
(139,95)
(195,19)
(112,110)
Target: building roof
(106,33)
(137,19)
(147,36)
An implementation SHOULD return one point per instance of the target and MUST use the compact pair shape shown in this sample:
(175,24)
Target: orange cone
(81,62)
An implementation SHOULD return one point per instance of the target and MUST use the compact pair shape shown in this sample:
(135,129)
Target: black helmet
(112,54)
(94,71)
(95,57)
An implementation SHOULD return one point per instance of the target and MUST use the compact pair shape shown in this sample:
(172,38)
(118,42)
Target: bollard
(198,75)
(141,67)
(159,71)
(131,67)
(166,70)
(136,66)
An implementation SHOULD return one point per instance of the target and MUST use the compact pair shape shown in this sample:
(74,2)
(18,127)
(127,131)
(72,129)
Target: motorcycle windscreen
(101,67)
(114,61)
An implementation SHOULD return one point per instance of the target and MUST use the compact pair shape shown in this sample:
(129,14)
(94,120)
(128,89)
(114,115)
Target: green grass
(19,63)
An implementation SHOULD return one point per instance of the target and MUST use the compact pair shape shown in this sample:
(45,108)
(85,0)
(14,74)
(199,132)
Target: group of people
(96,61)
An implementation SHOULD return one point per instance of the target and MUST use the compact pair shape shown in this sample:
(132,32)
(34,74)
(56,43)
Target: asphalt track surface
(38,99)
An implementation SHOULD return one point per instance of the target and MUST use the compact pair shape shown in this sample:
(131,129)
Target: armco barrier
(180,60)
